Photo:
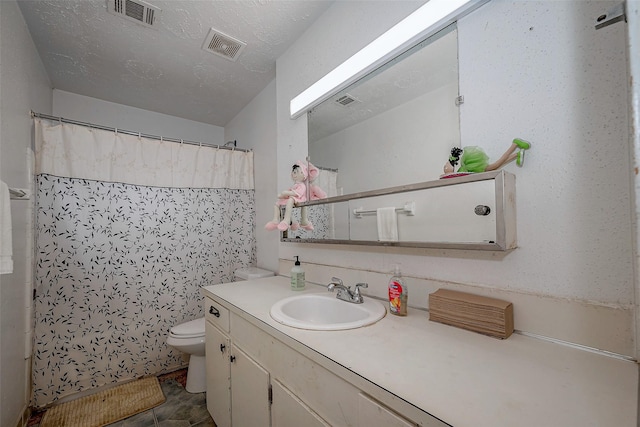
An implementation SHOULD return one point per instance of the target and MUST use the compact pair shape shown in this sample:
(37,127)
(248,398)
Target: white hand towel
(387,224)
(6,248)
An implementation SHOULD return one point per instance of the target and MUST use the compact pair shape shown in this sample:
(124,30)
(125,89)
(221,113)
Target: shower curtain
(128,230)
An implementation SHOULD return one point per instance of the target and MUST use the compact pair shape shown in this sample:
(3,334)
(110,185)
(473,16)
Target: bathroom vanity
(399,371)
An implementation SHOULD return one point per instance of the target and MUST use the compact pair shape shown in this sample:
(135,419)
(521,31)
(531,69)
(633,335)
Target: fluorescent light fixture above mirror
(424,22)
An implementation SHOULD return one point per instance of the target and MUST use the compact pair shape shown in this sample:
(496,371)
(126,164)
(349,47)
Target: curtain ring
(139,135)
(181,141)
(161,138)
(116,131)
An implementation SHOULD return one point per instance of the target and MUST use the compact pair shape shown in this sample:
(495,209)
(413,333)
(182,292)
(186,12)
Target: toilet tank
(249,273)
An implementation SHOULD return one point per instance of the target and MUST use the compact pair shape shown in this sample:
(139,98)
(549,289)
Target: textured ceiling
(88,51)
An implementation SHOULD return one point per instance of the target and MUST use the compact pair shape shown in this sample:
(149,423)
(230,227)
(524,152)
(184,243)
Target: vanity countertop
(461,377)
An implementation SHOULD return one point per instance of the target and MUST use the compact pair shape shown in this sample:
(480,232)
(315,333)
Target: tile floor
(181,409)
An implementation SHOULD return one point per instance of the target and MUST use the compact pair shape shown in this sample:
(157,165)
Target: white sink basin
(322,312)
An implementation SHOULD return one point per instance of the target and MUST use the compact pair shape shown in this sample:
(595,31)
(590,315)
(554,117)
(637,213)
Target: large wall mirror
(394,127)
(386,138)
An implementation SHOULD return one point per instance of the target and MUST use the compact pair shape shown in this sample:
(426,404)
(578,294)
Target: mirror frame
(504,204)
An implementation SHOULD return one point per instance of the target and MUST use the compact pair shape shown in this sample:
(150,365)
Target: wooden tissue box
(488,316)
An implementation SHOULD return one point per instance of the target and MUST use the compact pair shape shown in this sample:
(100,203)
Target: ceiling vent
(347,99)
(223,45)
(137,11)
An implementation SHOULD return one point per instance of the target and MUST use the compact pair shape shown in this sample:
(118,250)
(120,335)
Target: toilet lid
(192,328)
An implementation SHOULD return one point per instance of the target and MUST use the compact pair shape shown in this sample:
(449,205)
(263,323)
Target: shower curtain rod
(129,132)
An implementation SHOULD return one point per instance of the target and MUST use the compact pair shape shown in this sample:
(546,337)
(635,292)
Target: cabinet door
(373,414)
(249,391)
(287,410)
(217,349)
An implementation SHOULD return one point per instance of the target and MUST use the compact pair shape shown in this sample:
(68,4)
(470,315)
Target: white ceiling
(88,51)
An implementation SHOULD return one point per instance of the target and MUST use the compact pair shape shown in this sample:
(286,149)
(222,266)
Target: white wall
(24,86)
(92,110)
(561,84)
(536,70)
(255,128)
(633,18)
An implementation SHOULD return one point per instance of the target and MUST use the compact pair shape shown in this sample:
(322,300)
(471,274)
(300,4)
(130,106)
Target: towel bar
(409,209)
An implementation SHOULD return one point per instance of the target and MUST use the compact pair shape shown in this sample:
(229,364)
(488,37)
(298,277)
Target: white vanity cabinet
(403,371)
(372,413)
(245,360)
(249,391)
(235,382)
(288,410)
(218,369)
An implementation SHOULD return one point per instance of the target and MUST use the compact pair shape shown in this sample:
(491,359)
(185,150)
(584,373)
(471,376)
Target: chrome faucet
(345,293)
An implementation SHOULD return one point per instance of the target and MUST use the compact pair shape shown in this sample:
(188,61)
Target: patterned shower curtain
(127,232)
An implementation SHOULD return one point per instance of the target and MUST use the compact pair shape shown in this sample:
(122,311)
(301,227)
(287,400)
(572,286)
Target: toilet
(188,337)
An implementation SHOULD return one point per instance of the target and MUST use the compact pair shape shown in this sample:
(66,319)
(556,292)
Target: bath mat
(107,406)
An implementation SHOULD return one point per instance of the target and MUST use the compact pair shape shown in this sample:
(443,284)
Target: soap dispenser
(297,276)
(398,293)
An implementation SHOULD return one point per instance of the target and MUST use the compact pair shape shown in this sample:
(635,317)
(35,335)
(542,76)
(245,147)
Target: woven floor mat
(107,406)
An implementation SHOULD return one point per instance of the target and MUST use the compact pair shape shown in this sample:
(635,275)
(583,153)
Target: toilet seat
(190,329)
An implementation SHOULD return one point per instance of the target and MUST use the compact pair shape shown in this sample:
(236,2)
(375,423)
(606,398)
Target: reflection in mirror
(330,221)
(394,127)
(440,214)
(476,211)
